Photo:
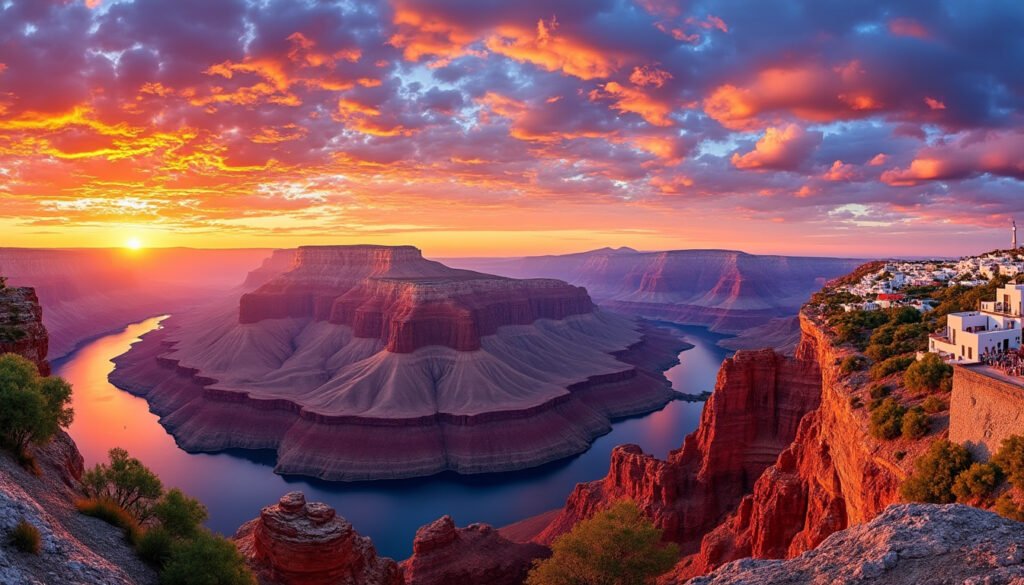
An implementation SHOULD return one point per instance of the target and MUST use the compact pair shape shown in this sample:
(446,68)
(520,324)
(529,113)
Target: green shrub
(891,366)
(107,510)
(878,391)
(32,408)
(933,404)
(915,423)
(887,420)
(618,546)
(856,402)
(927,374)
(126,482)
(900,455)
(1007,506)
(205,559)
(976,485)
(852,363)
(935,472)
(25,537)
(154,546)
(179,514)
(1010,458)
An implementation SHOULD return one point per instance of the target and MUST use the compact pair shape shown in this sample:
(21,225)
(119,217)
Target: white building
(995,328)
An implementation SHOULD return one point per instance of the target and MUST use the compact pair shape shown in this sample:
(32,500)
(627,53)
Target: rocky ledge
(324,362)
(296,542)
(905,545)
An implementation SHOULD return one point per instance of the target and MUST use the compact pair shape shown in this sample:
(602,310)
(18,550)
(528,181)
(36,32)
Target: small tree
(126,482)
(618,546)
(927,374)
(887,420)
(976,485)
(179,514)
(915,423)
(205,559)
(1010,458)
(935,472)
(32,408)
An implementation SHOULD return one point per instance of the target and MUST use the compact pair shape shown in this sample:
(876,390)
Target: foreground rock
(298,543)
(370,362)
(444,554)
(905,545)
(753,415)
(726,290)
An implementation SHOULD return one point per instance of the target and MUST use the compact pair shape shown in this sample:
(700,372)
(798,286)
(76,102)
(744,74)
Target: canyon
(725,290)
(324,362)
(86,292)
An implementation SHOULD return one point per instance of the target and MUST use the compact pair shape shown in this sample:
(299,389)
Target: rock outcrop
(444,554)
(753,414)
(326,361)
(295,542)
(21,326)
(905,545)
(726,290)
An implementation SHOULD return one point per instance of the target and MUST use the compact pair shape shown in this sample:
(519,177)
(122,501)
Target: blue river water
(234,486)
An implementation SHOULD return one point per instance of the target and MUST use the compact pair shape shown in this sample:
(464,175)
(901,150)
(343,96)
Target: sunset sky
(485,127)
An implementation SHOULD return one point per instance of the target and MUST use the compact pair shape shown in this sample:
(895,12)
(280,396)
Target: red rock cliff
(393,294)
(21,326)
(759,400)
(834,475)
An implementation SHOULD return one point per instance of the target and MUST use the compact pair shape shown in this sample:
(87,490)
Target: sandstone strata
(905,545)
(444,555)
(295,542)
(759,400)
(324,362)
(21,326)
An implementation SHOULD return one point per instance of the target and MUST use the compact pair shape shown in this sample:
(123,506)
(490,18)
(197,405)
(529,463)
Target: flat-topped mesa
(395,295)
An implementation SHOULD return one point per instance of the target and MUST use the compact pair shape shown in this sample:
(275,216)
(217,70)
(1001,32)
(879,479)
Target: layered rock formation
(324,362)
(298,543)
(21,326)
(444,554)
(753,414)
(905,545)
(727,291)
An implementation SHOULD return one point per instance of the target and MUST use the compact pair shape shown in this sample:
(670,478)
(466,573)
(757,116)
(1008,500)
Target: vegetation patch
(26,538)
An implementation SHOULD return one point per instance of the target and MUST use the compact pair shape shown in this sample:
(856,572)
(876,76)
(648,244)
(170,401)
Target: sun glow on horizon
(133,243)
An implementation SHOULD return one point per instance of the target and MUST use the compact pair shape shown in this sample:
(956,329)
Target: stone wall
(984,410)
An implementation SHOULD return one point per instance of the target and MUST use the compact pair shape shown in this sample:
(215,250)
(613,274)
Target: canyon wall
(21,326)
(984,409)
(726,290)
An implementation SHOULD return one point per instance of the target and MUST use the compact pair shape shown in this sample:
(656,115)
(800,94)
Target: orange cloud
(783,148)
(548,50)
(970,154)
(840,171)
(421,36)
(934,104)
(632,100)
(645,75)
(878,160)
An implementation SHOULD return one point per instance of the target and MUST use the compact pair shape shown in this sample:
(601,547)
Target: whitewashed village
(989,334)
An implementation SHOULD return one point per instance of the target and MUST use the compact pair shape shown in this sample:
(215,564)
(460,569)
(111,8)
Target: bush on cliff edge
(618,546)
(928,374)
(935,473)
(32,408)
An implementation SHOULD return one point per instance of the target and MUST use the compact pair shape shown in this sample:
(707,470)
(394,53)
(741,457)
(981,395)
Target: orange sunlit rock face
(242,124)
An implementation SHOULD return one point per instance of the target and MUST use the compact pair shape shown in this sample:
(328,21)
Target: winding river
(234,486)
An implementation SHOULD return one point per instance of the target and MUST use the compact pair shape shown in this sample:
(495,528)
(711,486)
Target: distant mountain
(726,290)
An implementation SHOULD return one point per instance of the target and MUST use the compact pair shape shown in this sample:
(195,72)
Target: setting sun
(133,243)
